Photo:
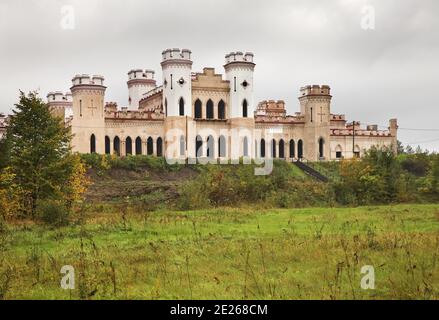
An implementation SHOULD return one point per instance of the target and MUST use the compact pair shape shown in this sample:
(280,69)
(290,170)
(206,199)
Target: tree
(9,194)
(400,147)
(39,152)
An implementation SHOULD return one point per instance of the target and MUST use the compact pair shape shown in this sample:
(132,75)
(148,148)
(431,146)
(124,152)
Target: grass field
(314,253)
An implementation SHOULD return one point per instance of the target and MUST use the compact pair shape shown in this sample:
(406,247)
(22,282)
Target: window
(138,145)
(221,110)
(244,108)
(159,147)
(80,108)
(149,147)
(181,106)
(245,147)
(182,146)
(198,109)
(107,145)
(262,148)
(116,145)
(292,149)
(166,107)
(209,109)
(210,147)
(281,149)
(234,84)
(222,146)
(198,146)
(321,148)
(300,149)
(338,152)
(356,151)
(273,148)
(311,114)
(92,144)
(128,146)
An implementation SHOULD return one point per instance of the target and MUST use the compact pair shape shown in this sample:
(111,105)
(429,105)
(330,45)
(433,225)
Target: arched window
(321,148)
(128,146)
(221,110)
(245,147)
(116,145)
(338,152)
(273,148)
(209,109)
(182,146)
(107,145)
(292,149)
(300,149)
(198,146)
(356,151)
(262,148)
(138,145)
(159,147)
(281,149)
(210,147)
(198,109)
(149,147)
(181,106)
(92,144)
(244,108)
(222,146)
(256,148)
(166,107)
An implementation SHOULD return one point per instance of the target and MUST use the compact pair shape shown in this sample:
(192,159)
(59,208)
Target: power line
(412,129)
(426,141)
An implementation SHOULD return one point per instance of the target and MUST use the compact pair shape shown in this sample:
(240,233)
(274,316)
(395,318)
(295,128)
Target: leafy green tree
(39,152)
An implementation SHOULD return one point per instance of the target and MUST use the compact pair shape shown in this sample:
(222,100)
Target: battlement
(315,90)
(139,74)
(239,57)
(271,108)
(111,107)
(112,113)
(176,54)
(85,79)
(58,96)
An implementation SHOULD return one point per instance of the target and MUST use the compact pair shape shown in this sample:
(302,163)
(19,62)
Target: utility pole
(353,139)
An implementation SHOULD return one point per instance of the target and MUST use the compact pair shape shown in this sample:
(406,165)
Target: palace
(206,115)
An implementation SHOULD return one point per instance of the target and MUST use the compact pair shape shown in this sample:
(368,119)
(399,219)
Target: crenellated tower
(177,83)
(88,123)
(139,82)
(315,105)
(239,68)
(60,104)
(179,126)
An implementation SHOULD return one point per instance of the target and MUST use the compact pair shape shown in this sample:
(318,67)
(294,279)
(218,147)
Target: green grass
(227,253)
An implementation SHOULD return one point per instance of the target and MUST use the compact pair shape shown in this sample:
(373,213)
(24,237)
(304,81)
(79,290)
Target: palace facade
(209,115)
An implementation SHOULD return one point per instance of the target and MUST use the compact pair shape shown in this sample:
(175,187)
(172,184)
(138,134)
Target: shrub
(53,213)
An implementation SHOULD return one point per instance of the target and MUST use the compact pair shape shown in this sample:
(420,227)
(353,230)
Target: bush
(53,213)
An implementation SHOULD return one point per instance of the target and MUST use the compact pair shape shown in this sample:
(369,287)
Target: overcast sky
(375,74)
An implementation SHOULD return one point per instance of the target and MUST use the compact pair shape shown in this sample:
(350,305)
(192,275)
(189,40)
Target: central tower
(177,103)
(239,70)
(177,82)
